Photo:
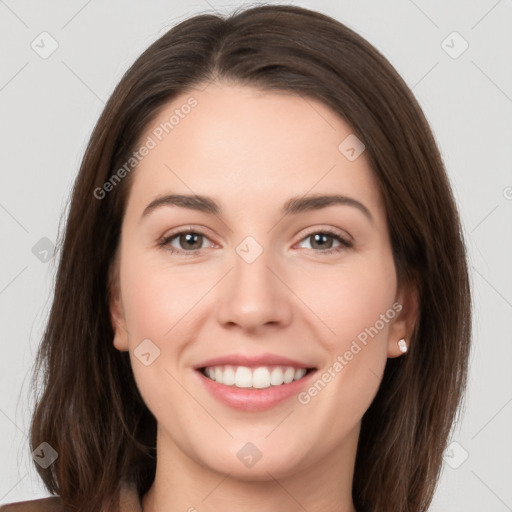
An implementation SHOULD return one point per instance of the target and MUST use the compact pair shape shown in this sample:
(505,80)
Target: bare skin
(251,151)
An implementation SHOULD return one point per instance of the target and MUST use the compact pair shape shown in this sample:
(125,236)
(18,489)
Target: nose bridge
(253,295)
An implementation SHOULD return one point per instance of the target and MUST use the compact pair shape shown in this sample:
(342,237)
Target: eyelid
(345,240)
(325,229)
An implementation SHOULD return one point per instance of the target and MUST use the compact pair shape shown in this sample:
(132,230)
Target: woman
(262,301)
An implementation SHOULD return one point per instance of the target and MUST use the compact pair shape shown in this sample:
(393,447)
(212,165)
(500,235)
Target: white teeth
(288,375)
(243,377)
(259,378)
(228,377)
(299,373)
(276,377)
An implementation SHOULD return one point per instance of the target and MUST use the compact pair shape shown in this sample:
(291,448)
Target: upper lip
(252,361)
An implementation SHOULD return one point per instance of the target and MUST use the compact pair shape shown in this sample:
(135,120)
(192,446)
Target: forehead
(241,144)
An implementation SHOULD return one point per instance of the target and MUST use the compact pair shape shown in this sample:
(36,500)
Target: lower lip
(250,399)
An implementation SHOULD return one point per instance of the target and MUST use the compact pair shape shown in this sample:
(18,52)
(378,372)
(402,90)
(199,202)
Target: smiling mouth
(261,377)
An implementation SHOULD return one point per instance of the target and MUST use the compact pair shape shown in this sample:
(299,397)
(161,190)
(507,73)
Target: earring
(402,345)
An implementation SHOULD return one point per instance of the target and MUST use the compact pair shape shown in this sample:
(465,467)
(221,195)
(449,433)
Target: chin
(257,460)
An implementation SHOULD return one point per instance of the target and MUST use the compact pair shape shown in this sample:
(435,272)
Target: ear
(117,318)
(403,325)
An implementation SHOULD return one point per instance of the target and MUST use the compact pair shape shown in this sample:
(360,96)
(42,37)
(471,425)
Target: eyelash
(345,244)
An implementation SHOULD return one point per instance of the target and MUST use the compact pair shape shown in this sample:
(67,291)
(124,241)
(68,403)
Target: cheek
(355,302)
(156,299)
(359,313)
(159,306)
(348,300)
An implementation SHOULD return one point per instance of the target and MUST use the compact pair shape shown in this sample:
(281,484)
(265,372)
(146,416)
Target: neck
(183,484)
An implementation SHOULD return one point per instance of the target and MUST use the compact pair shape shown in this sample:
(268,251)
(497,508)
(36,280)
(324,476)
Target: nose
(254,295)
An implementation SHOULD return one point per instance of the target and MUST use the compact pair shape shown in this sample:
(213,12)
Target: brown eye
(190,240)
(184,242)
(322,242)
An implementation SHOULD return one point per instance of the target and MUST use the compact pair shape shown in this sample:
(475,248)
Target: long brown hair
(90,410)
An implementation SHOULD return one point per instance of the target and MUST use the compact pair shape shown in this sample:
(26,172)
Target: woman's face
(262,286)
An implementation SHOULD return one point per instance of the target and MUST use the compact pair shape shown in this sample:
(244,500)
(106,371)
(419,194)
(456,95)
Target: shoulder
(51,504)
(129,501)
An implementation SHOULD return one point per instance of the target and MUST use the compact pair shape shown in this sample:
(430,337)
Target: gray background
(48,107)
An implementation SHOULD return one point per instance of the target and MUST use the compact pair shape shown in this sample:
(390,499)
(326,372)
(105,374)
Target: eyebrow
(294,205)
